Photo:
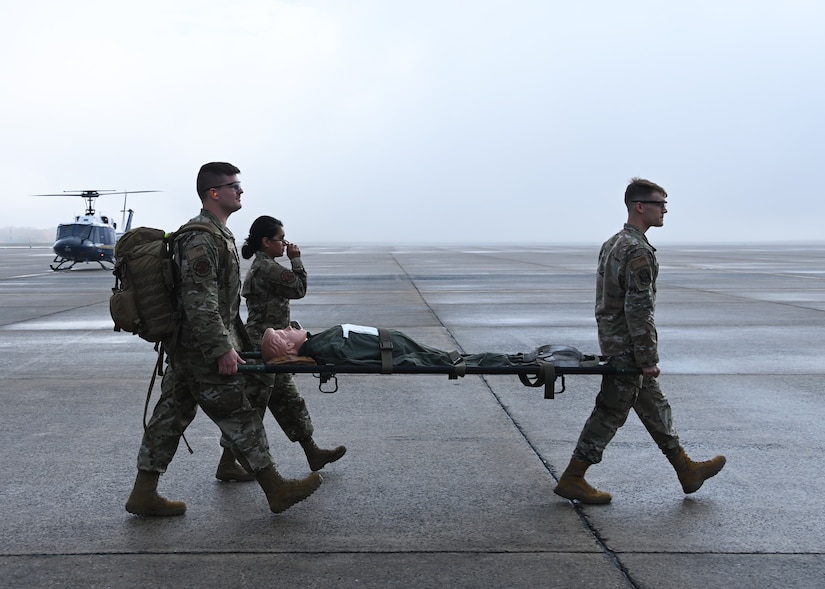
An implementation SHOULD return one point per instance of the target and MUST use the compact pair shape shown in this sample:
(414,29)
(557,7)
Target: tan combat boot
(692,474)
(145,500)
(284,493)
(230,470)
(318,457)
(573,486)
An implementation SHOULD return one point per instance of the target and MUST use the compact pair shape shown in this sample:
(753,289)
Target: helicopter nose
(72,247)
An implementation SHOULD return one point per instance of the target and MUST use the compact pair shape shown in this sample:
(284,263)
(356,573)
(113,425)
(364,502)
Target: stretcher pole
(356,369)
(545,372)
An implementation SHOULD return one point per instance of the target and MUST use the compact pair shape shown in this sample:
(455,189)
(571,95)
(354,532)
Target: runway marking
(26,276)
(60,325)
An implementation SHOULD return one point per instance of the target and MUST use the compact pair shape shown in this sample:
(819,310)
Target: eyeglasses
(282,240)
(660,203)
(236,186)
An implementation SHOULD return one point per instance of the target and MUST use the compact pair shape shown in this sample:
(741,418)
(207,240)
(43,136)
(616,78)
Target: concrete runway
(446,483)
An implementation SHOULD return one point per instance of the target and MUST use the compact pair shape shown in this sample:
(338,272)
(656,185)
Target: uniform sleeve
(639,304)
(287,283)
(199,298)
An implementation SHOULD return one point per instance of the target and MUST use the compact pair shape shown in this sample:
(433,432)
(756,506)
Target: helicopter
(89,237)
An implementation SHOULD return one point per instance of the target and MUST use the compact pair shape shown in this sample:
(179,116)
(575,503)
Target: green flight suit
(362,349)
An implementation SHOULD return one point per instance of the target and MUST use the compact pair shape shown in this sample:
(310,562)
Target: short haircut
(641,189)
(212,174)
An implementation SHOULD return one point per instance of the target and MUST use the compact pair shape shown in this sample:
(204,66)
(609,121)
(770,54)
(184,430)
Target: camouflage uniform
(210,300)
(625,303)
(267,288)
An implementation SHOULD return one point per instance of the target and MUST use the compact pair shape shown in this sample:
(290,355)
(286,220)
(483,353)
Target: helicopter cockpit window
(71,231)
(104,235)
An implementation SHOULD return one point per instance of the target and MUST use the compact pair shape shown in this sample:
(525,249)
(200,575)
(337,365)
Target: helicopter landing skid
(61,261)
(60,266)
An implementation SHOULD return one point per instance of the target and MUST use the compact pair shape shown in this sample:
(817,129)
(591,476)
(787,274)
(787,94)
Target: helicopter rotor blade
(95,193)
(71,194)
(90,195)
(112,191)
(83,193)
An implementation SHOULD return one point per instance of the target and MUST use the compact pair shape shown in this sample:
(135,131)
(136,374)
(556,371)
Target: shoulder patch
(640,271)
(202,267)
(287,276)
(196,252)
(644,277)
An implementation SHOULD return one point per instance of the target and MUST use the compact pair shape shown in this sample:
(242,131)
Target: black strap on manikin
(458,361)
(385,345)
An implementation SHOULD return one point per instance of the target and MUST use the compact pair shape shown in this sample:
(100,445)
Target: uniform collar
(638,234)
(214,220)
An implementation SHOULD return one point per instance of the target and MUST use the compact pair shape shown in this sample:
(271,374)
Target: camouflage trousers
(286,404)
(289,408)
(229,401)
(618,395)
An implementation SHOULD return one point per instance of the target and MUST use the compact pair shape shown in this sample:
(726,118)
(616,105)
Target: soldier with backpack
(203,362)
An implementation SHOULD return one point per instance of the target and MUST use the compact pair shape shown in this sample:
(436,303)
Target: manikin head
(282,342)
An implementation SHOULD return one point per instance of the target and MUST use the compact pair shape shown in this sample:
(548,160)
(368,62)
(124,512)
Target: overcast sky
(422,121)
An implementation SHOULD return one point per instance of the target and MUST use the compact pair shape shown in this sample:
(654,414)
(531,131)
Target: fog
(428,121)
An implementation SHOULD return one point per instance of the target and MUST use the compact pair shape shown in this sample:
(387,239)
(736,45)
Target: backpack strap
(195,226)
(158,371)
(246,341)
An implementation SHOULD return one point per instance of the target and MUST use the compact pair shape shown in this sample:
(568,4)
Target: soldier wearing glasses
(268,289)
(625,302)
(202,367)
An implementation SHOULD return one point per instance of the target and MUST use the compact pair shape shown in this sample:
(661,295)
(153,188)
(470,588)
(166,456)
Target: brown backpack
(144,298)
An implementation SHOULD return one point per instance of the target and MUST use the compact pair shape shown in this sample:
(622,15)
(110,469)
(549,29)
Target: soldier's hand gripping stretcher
(358,349)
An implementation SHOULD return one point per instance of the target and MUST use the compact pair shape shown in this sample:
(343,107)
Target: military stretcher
(543,367)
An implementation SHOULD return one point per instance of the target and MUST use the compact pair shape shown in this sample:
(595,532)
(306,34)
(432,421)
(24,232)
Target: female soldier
(267,288)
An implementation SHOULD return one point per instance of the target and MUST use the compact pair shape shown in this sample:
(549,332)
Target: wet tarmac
(447,483)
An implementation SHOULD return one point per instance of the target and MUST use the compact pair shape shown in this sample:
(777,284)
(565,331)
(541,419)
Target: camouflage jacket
(626,298)
(209,293)
(267,288)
